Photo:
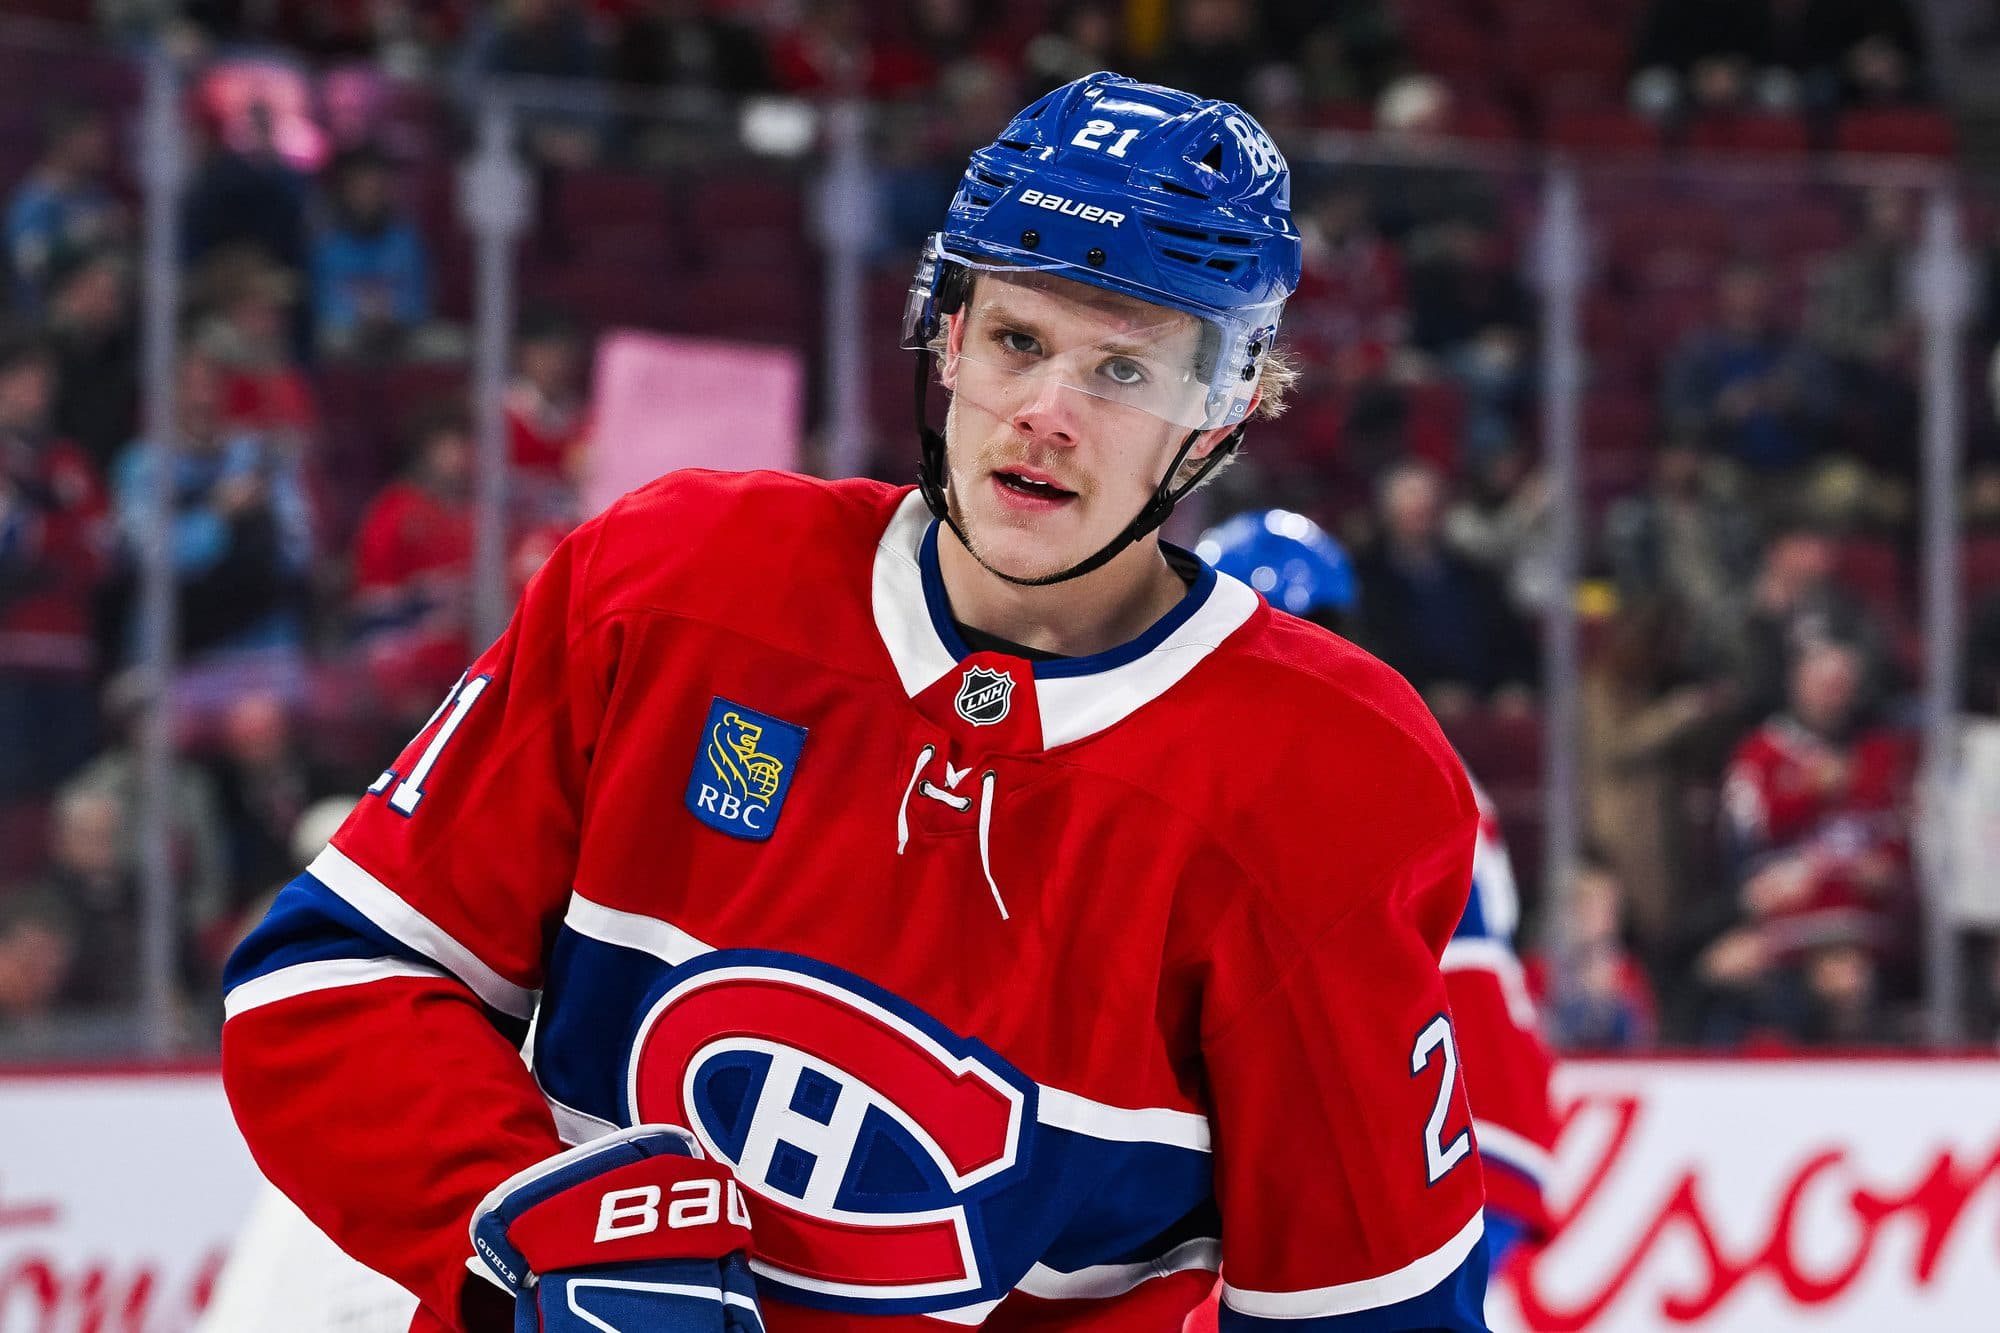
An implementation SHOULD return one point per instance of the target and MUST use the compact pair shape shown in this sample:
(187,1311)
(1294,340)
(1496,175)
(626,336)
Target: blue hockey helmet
(1287,557)
(1156,194)
(1147,192)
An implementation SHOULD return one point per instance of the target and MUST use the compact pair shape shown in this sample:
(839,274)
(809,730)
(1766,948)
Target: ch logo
(984,696)
(868,1130)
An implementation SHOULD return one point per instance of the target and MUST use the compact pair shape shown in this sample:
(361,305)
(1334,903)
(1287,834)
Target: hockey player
(1505,1064)
(953,901)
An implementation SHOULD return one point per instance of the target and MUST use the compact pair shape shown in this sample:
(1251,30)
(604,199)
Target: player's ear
(1206,445)
(954,343)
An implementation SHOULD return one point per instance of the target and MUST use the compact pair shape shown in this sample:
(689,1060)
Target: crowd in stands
(1746,754)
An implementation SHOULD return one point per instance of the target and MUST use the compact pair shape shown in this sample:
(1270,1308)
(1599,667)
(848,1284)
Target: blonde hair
(1274,385)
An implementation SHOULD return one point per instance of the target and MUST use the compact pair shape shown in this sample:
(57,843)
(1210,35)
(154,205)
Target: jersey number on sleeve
(410,790)
(1439,1156)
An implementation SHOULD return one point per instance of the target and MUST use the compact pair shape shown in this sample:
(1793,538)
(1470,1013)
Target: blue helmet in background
(1288,558)
(1149,192)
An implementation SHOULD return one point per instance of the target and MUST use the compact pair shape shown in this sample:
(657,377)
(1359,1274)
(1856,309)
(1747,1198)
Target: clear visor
(1027,334)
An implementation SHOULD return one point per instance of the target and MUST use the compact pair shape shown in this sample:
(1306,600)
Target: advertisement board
(120,1195)
(1740,1196)
(1718,1196)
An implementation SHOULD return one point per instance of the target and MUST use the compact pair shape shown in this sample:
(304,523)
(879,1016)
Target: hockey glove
(631,1233)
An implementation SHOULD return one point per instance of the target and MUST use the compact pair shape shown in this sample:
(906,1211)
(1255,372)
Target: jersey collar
(1078,696)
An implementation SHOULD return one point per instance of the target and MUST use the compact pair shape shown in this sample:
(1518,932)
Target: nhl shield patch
(985,695)
(743,770)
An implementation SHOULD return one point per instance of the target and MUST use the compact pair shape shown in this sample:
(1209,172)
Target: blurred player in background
(1506,1065)
(944,902)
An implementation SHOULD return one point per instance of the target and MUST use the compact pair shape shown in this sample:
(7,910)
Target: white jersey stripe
(648,934)
(1104,1281)
(1521,1153)
(1119,1124)
(381,905)
(965,1316)
(1372,1293)
(1468,954)
(325,974)
(576,1127)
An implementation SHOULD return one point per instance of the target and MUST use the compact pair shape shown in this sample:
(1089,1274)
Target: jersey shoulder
(736,547)
(1337,763)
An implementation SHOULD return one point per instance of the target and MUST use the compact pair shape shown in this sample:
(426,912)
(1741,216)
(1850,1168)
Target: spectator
(540,40)
(1755,393)
(248,198)
(1432,614)
(370,271)
(546,410)
(63,205)
(1423,188)
(194,827)
(243,323)
(829,50)
(1859,53)
(1644,724)
(1982,658)
(1708,55)
(240,538)
(263,782)
(1688,539)
(1795,602)
(1501,520)
(1351,311)
(679,44)
(1816,810)
(1858,317)
(1471,315)
(1594,997)
(1213,48)
(1343,53)
(412,569)
(51,557)
(1082,37)
(99,890)
(96,346)
(37,953)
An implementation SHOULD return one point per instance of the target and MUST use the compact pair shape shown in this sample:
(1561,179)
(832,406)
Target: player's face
(1068,404)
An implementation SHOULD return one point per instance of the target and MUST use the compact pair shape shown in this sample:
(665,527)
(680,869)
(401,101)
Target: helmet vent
(1179,188)
(988,178)
(1212,159)
(1182,255)
(1226,265)
(977,202)
(1015,144)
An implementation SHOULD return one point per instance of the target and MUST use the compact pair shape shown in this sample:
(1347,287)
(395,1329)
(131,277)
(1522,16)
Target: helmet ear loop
(1166,495)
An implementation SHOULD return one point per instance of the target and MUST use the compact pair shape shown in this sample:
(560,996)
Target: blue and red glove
(634,1233)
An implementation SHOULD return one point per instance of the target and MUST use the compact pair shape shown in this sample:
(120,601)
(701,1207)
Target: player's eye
(1018,343)
(1124,372)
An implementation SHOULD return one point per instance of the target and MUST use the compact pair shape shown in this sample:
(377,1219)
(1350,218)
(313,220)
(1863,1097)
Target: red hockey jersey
(1018,994)
(1507,1064)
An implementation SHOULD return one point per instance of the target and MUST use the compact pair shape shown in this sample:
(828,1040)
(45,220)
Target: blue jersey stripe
(310,923)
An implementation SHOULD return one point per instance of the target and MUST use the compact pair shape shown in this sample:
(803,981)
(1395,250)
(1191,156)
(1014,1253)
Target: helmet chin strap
(932,476)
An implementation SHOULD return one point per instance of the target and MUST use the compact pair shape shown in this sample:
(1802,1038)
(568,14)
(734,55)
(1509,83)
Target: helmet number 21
(1093,131)
(1439,1156)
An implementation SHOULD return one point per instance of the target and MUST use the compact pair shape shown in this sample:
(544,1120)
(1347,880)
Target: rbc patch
(743,770)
